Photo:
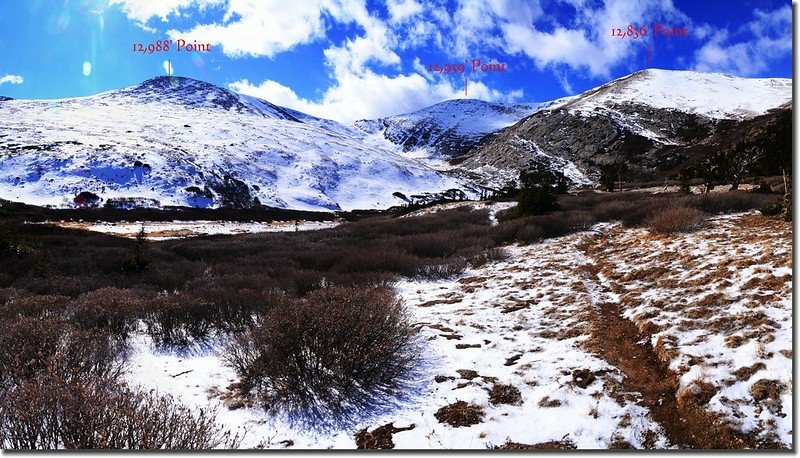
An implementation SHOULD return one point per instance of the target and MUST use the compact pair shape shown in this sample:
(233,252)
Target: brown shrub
(29,346)
(44,306)
(728,202)
(492,255)
(49,411)
(677,219)
(108,309)
(460,414)
(334,351)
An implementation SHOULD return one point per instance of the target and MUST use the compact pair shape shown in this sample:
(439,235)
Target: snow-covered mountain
(643,124)
(712,95)
(448,129)
(180,141)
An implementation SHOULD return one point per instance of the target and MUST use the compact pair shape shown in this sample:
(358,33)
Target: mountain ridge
(181,141)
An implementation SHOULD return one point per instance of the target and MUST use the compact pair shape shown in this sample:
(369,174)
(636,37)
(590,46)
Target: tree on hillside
(540,188)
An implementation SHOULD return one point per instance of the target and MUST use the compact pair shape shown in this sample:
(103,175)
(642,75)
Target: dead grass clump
(619,443)
(460,414)
(583,377)
(379,438)
(697,393)
(744,373)
(735,340)
(677,219)
(505,394)
(665,348)
(766,390)
(552,445)
(468,374)
(547,402)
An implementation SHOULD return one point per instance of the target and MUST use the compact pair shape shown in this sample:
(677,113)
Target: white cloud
(261,27)
(144,10)
(771,39)
(374,46)
(11,79)
(371,95)
(402,10)
(580,42)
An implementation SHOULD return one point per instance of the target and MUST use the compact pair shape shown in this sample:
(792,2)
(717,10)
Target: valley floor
(609,338)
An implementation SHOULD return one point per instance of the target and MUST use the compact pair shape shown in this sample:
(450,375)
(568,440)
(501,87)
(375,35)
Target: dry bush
(505,233)
(612,210)
(492,255)
(26,344)
(207,309)
(334,351)
(436,245)
(441,271)
(529,233)
(728,202)
(640,214)
(29,346)
(19,303)
(677,219)
(108,309)
(50,411)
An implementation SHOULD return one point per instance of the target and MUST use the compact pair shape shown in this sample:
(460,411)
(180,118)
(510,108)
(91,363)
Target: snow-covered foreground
(528,322)
(167,230)
(718,305)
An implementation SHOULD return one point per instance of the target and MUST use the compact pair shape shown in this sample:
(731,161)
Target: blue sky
(348,60)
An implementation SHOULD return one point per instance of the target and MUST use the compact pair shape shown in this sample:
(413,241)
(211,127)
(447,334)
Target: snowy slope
(185,142)
(714,95)
(449,128)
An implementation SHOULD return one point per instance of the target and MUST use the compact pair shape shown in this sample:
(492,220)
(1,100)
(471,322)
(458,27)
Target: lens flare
(197,60)
(87,68)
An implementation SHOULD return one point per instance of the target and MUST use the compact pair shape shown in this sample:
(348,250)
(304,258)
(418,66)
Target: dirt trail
(619,342)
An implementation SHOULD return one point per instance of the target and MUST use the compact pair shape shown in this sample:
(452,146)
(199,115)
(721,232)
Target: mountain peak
(194,93)
(713,95)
